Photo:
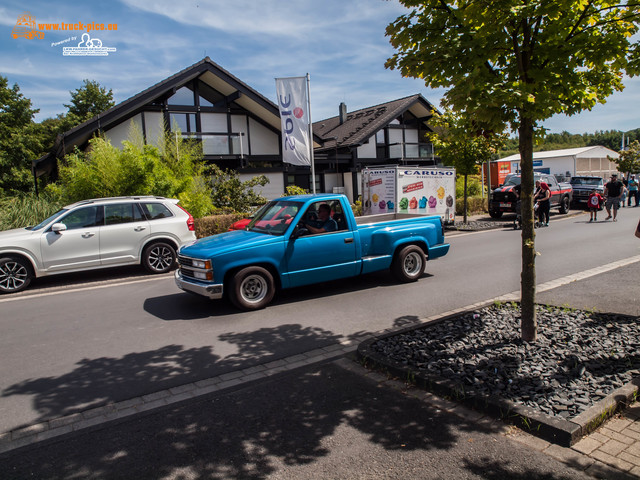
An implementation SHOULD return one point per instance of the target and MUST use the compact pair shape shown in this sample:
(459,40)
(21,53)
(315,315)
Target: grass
(26,209)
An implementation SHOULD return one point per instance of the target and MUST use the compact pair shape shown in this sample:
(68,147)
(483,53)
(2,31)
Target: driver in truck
(324,223)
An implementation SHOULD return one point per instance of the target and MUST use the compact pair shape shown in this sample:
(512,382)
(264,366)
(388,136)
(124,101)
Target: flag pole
(313,169)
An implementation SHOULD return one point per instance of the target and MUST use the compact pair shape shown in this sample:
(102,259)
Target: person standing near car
(613,194)
(542,198)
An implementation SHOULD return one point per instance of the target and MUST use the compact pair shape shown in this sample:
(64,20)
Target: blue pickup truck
(278,249)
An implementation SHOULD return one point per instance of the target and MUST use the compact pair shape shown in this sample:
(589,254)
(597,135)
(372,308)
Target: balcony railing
(218,143)
(406,151)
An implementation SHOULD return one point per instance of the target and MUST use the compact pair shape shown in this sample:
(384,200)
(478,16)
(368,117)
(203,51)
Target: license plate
(505,205)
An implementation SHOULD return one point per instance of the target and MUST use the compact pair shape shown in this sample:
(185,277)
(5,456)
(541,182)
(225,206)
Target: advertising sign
(427,191)
(412,190)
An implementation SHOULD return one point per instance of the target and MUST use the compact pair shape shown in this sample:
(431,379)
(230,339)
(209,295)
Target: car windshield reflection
(275,217)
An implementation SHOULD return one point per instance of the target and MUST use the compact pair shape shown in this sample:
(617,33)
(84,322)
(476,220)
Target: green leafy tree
(629,159)
(517,63)
(19,139)
(460,144)
(231,193)
(88,101)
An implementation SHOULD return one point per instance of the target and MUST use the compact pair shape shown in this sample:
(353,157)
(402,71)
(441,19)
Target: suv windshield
(586,181)
(274,218)
(48,220)
(515,180)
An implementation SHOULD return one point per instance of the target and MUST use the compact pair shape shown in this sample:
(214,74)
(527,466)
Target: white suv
(98,233)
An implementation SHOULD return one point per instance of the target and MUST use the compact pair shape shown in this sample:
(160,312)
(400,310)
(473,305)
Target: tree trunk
(465,198)
(528,325)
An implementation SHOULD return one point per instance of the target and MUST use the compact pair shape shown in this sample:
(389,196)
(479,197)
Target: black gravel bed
(579,361)
(477,225)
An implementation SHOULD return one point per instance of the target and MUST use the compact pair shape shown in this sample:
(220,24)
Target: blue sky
(341,44)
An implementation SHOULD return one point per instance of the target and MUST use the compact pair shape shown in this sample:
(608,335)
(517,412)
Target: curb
(553,429)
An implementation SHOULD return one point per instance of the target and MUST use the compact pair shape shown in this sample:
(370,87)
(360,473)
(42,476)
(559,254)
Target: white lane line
(59,290)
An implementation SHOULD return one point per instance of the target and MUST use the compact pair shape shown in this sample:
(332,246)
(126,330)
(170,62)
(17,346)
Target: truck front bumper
(210,290)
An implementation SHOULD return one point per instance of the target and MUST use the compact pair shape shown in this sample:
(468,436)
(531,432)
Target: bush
(214,224)
(173,170)
(474,186)
(474,205)
(26,209)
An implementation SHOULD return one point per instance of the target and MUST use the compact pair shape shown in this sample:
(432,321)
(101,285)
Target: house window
(185,122)
(183,96)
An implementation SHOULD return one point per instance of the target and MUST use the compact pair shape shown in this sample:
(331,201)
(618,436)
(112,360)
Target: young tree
(629,159)
(19,142)
(518,62)
(460,144)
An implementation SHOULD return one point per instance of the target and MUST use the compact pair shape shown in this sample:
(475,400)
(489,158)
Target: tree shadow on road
(329,419)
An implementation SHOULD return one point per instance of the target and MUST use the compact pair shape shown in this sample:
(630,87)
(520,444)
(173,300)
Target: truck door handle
(138,229)
(348,240)
(88,235)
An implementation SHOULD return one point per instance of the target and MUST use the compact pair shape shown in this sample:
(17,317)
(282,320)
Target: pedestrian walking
(542,198)
(594,203)
(633,191)
(613,194)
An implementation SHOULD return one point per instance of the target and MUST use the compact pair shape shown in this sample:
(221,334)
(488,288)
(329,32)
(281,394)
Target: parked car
(250,265)
(583,185)
(503,198)
(98,233)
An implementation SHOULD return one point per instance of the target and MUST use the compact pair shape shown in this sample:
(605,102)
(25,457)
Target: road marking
(115,283)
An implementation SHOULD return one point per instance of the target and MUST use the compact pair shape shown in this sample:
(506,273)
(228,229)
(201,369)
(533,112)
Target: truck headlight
(204,264)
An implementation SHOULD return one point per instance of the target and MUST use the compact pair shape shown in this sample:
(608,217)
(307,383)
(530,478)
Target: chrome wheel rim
(13,276)
(160,258)
(412,264)
(254,288)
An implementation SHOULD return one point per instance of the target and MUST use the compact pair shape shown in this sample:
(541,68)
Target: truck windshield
(586,181)
(275,217)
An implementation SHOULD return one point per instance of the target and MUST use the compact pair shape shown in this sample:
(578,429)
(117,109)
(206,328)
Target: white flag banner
(294,115)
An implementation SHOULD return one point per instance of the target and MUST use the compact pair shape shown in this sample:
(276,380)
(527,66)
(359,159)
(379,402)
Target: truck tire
(495,213)
(564,205)
(408,264)
(158,257)
(15,274)
(252,288)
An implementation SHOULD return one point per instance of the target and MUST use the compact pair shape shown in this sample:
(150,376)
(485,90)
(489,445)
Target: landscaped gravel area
(578,359)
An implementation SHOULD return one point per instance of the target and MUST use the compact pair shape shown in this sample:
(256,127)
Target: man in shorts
(613,192)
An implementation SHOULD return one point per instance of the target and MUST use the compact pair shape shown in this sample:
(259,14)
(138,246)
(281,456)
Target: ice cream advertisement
(427,191)
(379,192)
(413,190)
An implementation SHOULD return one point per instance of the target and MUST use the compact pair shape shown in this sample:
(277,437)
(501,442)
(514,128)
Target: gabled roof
(361,124)
(206,70)
(596,151)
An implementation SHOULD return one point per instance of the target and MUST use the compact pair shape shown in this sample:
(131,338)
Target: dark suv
(503,198)
(583,186)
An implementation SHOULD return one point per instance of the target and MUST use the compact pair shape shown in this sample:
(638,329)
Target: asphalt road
(73,345)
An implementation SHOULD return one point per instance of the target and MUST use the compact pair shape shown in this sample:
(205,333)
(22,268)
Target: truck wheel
(15,274)
(495,213)
(408,264)
(564,205)
(158,257)
(252,288)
